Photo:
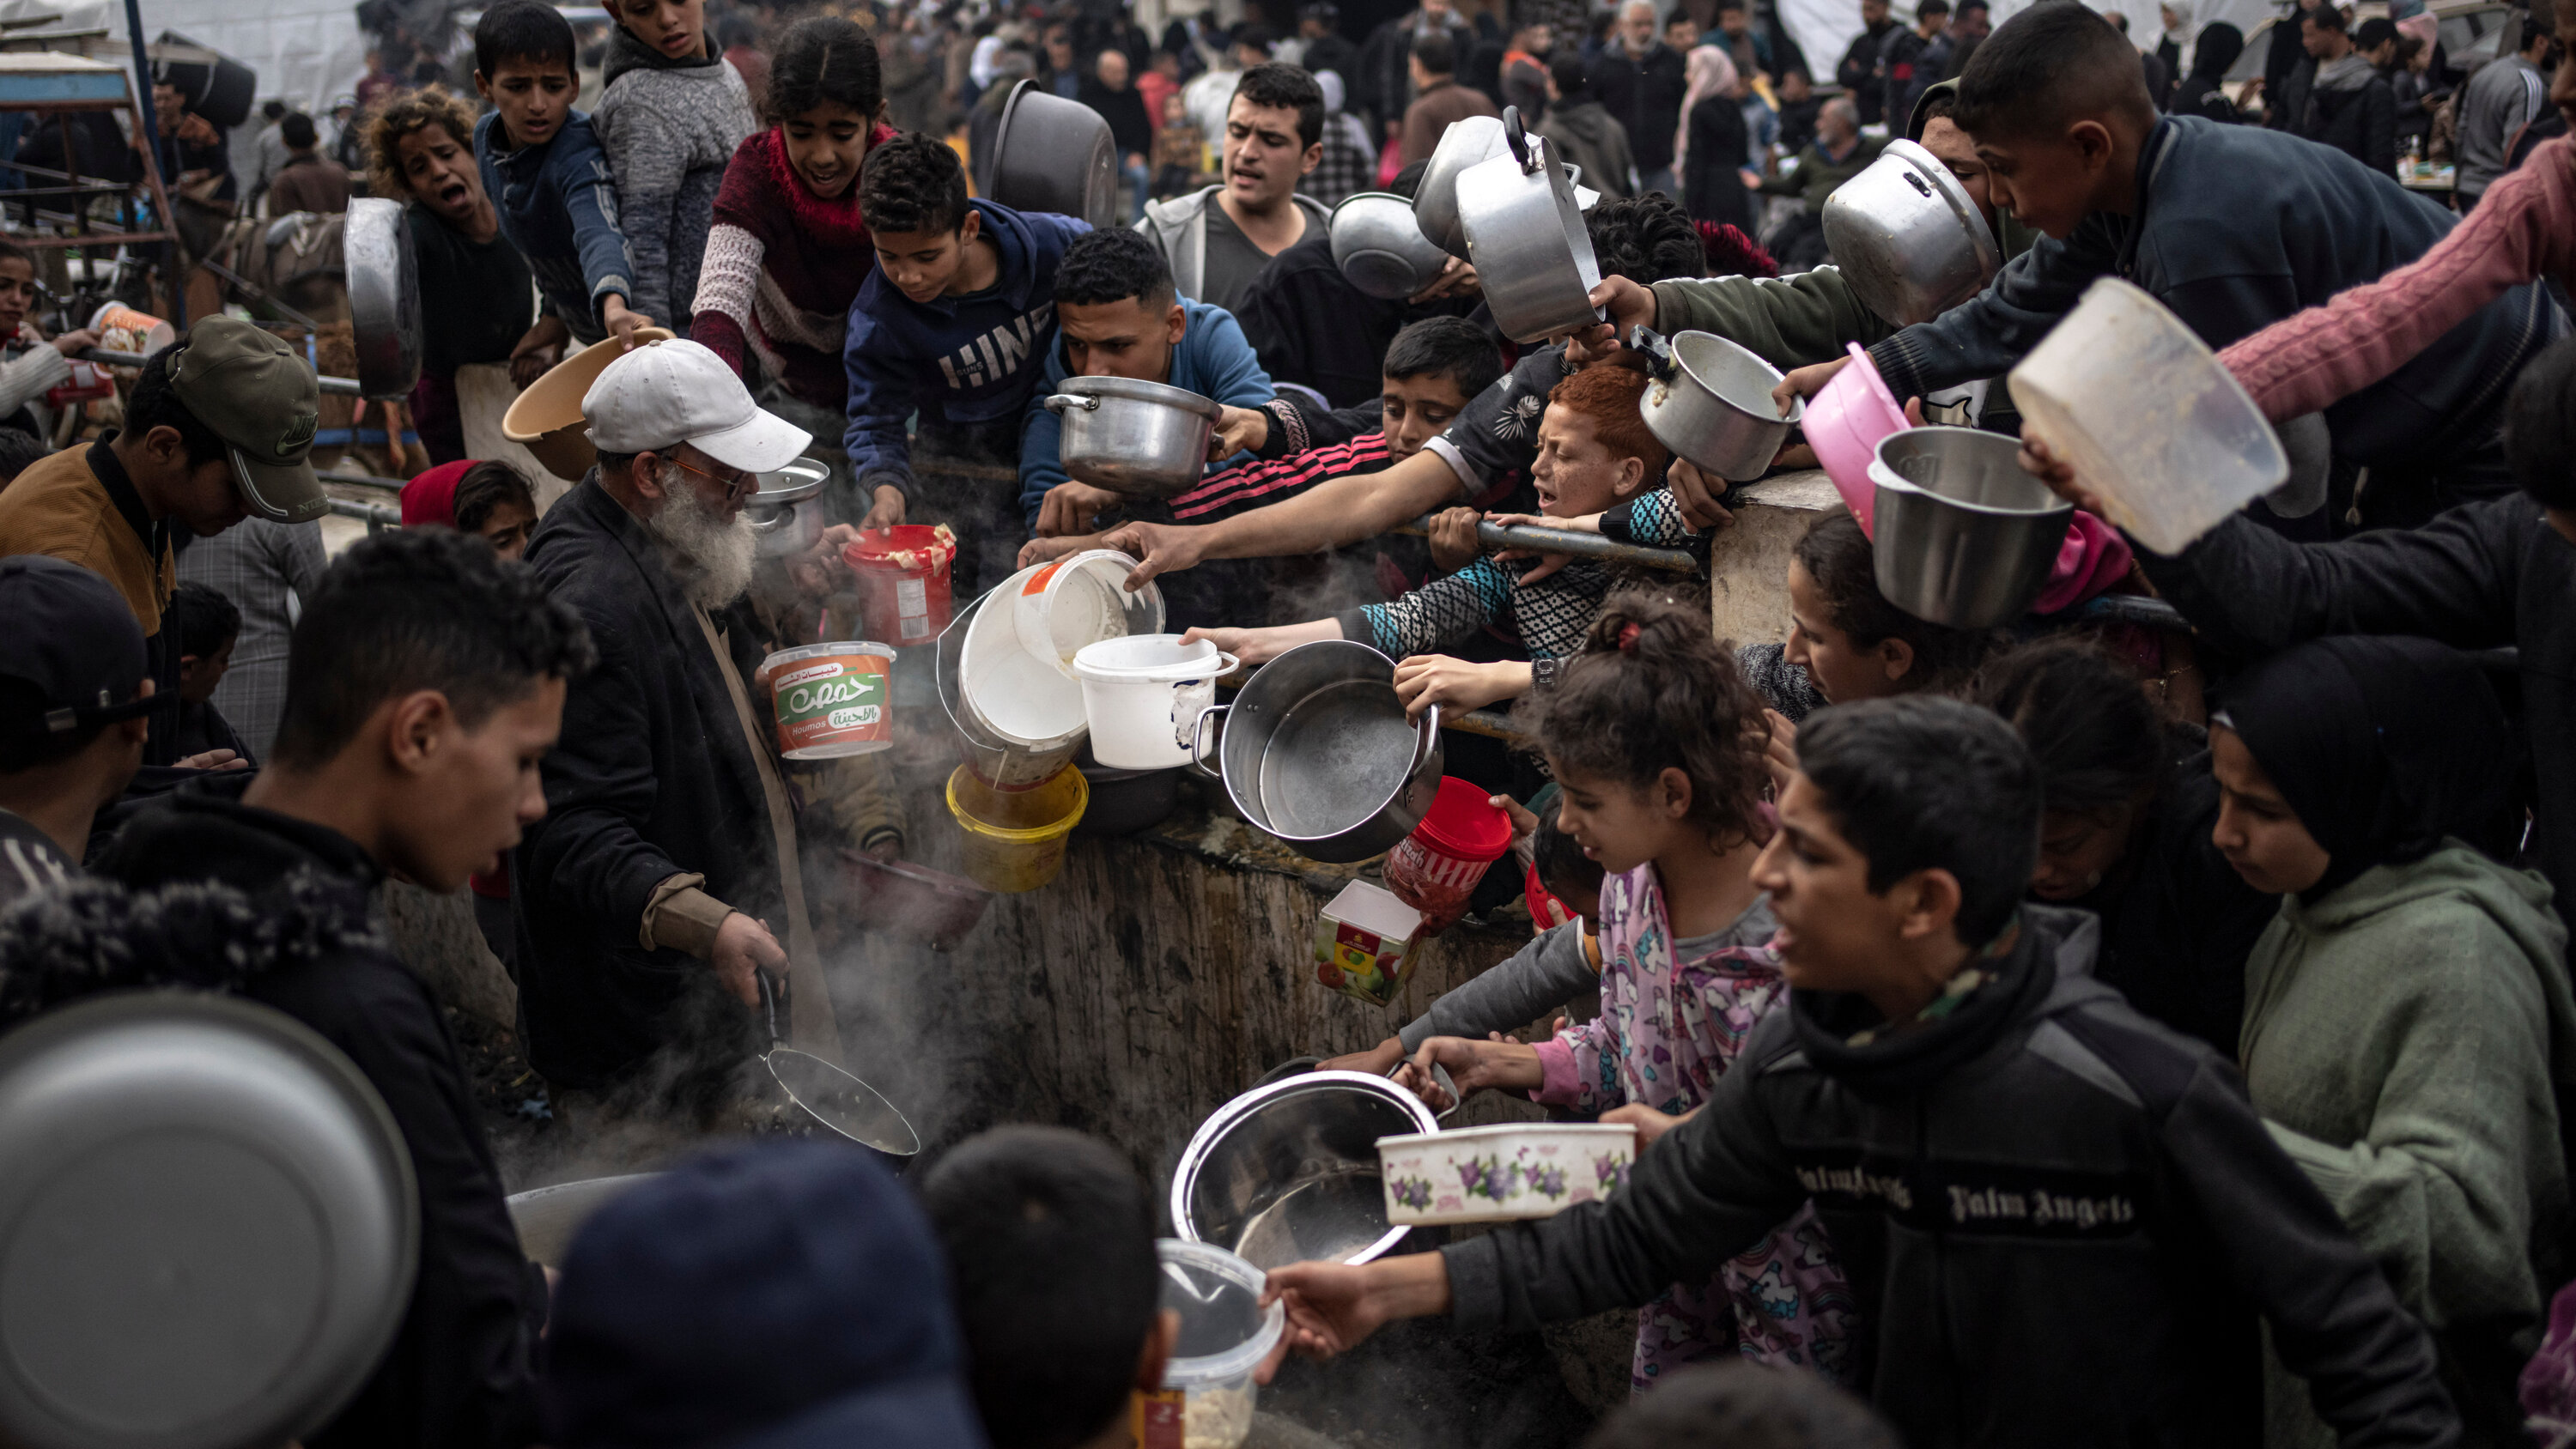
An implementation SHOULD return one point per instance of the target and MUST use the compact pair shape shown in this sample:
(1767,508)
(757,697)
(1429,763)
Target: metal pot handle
(1056,403)
(1657,352)
(773,1000)
(1425,737)
(1516,136)
(1198,734)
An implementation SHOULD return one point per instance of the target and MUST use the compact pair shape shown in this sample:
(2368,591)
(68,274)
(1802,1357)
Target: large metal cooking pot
(1380,249)
(1288,1172)
(208,1226)
(1051,154)
(384,296)
(787,513)
(1961,535)
(1710,402)
(1317,752)
(547,1217)
(1525,234)
(1908,238)
(1435,197)
(1136,439)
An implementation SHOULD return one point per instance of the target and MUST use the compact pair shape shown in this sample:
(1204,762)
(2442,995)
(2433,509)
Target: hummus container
(1502,1174)
(831,700)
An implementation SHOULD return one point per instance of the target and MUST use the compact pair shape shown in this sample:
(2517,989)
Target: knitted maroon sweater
(781,270)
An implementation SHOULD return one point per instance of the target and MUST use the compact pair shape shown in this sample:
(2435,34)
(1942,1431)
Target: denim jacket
(559,208)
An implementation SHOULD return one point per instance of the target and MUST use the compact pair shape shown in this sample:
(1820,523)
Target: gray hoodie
(669,130)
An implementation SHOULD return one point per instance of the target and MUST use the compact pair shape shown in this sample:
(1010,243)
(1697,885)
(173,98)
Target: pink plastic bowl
(1846,421)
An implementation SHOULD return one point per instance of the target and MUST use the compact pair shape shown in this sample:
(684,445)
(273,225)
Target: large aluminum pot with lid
(1380,249)
(1051,154)
(1317,752)
(1136,439)
(1288,1172)
(1710,402)
(384,296)
(1526,236)
(787,513)
(1908,238)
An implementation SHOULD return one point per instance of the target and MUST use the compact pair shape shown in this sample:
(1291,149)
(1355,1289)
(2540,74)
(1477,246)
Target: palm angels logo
(998,353)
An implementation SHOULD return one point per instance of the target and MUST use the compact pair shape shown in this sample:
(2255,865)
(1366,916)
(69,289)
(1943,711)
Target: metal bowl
(1907,237)
(208,1226)
(1961,535)
(1051,154)
(1435,199)
(384,296)
(1136,439)
(1380,248)
(1288,1172)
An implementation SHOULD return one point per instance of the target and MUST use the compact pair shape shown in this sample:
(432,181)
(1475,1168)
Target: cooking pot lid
(1136,390)
(208,1226)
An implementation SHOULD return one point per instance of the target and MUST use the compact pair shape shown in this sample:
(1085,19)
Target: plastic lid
(1374,909)
(1225,1332)
(1464,822)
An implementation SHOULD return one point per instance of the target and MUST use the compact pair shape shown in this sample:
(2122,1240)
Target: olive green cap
(262,399)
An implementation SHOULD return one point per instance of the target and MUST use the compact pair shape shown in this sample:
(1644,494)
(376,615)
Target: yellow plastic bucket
(1015,840)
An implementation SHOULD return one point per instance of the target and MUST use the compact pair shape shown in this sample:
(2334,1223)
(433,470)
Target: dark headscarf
(2200,94)
(2382,745)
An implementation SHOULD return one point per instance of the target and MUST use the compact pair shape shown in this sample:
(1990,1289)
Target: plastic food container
(1364,943)
(903,579)
(1208,1393)
(1143,695)
(1435,869)
(1846,420)
(2168,438)
(122,329)
(1015,839)
(994,761)
(1502,1174)
(1019,700)
(831,700)
(1077,600)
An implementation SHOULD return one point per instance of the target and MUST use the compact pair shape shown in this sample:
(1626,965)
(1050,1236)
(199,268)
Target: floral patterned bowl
(1496,1174)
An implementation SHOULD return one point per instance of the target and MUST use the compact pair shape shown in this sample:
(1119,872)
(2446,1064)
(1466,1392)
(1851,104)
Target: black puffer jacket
(2059,1220)
(201,892)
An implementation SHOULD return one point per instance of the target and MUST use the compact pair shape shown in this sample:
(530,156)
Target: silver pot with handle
(1318,753)
(1960,534)
(1435,197)
(1908,238)
(1136,439)
(787,513)
(1380,250)
(1526,236)
(1710,402)
(1051,154)
(384,296)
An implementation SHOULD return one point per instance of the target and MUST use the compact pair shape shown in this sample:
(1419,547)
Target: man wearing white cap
(665,873)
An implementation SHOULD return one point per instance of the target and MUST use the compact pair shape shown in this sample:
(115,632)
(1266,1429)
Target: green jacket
(2404,1040)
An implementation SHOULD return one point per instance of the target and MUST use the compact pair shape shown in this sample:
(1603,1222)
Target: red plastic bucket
(903,580)
(1436,868)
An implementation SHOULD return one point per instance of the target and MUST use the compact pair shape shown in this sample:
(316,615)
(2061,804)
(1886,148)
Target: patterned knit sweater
(668,130)
(782,267)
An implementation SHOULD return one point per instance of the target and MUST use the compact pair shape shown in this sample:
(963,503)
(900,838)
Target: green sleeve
(1786,321)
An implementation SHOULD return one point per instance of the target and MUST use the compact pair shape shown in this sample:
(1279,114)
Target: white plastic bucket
(1144,694)
(1080,599)
(1226,1331)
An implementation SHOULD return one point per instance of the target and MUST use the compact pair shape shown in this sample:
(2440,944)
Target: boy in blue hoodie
(546,174)
(1118,315)
(955,325)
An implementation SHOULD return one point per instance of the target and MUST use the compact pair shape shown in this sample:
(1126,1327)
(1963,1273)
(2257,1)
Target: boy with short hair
(543,168)
(2233,228)
(208,625)
(1050,1239)
(955,324)
(2060,1220)
(427,680)
(671,111)
(75,685)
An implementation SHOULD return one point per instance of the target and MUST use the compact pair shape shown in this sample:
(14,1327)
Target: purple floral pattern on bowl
(1501,1173)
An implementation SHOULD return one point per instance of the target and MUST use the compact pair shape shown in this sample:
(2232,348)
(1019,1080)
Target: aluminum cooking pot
(548,1217)
(1525,234)
(1051,154)
(1136,439)
(1908,238)
(1317,752)
(1288,1171)
(1960,534)
(1435,197)
(787,512)
(1710,402)
(1379,248)
(384,296)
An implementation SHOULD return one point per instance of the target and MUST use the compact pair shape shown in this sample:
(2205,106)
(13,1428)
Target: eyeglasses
(740,482)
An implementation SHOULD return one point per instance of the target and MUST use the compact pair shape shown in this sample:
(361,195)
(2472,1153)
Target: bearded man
(664,874)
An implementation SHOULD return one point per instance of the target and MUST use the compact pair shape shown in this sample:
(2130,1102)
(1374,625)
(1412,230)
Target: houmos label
(831,700)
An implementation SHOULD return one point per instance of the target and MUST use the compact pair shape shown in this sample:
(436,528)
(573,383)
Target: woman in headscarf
(1710,148)
(2408,1024)
(2216,48)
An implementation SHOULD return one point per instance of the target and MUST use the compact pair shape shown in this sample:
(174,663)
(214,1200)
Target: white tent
(305,51)
(1824,29)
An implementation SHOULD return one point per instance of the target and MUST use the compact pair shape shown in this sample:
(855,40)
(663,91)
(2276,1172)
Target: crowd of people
(2068,1033)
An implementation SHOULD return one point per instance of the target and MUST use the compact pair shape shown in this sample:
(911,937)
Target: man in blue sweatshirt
(955,324)
(1121,317)
(2233,228)
(546,174)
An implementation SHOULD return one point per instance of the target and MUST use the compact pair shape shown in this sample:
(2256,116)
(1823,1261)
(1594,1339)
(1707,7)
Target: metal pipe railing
(377,516)
(1566,541)
(347,386)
